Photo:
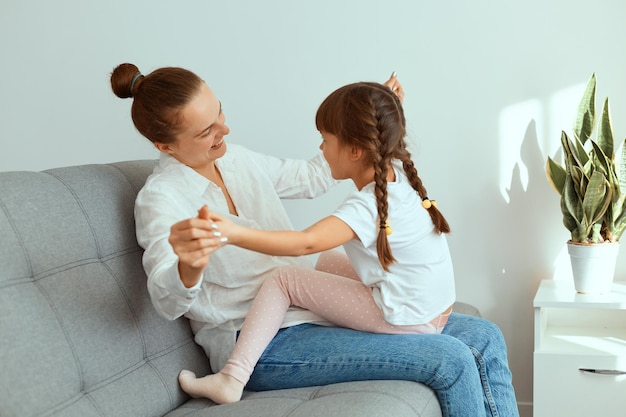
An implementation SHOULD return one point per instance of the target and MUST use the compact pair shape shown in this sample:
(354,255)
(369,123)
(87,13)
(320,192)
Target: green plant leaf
(556,175)
(569,221)
(585,118)
(621,168)
(604,155)
(573,156)
(572,208)
(619,222)
(579,180)
(616,224)
(602,162)
(579,150)
(605,132)
(596,237)
(597,198)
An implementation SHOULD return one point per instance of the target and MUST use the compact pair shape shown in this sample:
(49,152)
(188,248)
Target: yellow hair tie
(426,203)
(385,225)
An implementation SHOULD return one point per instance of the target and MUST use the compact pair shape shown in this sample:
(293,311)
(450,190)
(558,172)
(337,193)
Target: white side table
(580,352)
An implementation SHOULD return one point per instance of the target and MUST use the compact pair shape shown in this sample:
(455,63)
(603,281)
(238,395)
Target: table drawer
(561,389)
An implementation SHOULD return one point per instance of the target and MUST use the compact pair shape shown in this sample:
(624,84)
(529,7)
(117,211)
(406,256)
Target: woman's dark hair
(370,116)
(158,98)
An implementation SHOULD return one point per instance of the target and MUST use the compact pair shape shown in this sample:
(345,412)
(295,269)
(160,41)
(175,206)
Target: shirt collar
(172,166)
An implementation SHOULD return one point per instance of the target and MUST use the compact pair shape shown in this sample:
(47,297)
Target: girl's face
(201,138)
(337,155)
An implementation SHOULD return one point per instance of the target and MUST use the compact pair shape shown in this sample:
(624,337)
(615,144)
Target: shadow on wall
(527,224)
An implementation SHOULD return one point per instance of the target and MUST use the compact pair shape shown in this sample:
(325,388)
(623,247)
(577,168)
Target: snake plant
(591,183)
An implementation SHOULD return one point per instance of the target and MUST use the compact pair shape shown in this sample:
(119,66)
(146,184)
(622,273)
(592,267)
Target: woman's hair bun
(125,80)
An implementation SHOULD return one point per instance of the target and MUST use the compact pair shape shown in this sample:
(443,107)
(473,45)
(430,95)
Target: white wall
(490,85)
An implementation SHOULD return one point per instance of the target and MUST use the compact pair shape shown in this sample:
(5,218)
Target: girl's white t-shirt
(420,284)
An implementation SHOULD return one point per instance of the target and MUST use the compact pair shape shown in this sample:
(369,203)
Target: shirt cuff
(178,289)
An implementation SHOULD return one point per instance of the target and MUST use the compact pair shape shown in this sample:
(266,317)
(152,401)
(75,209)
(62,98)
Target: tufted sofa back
(78,335)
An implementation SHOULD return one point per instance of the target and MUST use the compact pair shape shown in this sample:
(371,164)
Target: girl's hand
(395,86)
(193,240)
(228,229)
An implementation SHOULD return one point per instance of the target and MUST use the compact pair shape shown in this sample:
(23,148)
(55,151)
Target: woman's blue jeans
(466,365)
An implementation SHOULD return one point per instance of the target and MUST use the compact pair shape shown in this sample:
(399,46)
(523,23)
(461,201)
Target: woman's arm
(326,234)
(395,86)
(295,178)
(175,252)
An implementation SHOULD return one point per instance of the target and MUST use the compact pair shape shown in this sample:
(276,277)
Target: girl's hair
(158,98)
(370,116)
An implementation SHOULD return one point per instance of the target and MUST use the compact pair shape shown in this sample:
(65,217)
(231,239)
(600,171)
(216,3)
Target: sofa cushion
(348,399)
(79,334)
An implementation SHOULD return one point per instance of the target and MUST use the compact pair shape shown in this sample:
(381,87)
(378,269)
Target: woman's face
(202,129)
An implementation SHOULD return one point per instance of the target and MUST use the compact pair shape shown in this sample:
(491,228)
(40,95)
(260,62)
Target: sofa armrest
(464,308)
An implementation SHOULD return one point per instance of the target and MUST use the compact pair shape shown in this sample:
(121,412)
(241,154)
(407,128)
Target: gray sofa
(78,334)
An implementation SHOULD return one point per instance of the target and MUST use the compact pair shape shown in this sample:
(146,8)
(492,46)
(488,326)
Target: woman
(466,365)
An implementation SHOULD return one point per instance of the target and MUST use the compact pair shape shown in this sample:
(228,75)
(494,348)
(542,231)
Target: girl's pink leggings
(333,291)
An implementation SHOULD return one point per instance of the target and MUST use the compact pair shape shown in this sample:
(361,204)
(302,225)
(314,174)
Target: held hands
(395,86)
(230,230)
(193,240)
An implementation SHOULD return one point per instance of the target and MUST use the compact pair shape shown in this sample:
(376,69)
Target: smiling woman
(180,115)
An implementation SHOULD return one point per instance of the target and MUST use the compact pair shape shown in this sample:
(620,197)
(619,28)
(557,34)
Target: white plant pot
(593,266)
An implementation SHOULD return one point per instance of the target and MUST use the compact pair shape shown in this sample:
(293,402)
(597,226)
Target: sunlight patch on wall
(551,116)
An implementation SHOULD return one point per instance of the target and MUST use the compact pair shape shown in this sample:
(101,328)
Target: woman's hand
(193,240)
(395,86)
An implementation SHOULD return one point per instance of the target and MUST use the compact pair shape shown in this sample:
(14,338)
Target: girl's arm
(326,234)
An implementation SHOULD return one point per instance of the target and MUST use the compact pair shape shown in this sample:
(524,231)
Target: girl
(394,235)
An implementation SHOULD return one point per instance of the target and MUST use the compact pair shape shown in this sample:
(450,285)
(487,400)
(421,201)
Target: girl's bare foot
(220,388)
